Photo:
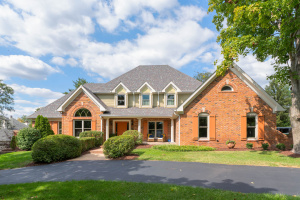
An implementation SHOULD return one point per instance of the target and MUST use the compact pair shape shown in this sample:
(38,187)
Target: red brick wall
(228,107)
(81,101)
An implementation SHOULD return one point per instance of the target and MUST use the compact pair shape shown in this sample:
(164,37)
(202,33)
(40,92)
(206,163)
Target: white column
(172,130)
(139,125)
(107,128)
(101,124)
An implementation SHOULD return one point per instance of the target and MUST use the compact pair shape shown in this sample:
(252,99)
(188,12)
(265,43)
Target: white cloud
(62,62)
(36,92)
(25,67)
(20,101)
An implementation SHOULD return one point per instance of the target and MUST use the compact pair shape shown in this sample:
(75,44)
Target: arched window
(226,88)
(83,112)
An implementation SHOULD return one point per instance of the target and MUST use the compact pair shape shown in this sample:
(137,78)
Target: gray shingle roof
(139,112)
(158,76)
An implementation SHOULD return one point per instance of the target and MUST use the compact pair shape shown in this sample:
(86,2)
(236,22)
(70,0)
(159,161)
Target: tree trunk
(295,108)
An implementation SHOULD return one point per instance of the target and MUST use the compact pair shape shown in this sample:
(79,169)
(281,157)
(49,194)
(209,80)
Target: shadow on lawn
(135,171)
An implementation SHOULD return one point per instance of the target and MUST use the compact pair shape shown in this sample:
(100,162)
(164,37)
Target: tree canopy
(77,83)
(202,76)
(6,98)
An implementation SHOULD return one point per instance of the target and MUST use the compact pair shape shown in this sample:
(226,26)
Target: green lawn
(120,190)
(15,159)
(259,158)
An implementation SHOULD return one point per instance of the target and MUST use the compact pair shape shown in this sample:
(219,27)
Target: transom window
(156,129)
(170,99)
(251,125)
(227,88)
(121,100)
(82,112)
(81,126)
(203,126)
(145,99)
(59,128)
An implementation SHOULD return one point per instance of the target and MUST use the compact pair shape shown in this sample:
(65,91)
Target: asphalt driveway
(228,177)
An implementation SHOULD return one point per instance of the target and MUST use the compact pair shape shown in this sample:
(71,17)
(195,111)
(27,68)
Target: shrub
(118,146)
(280,146)
(230,141)
(27,137)
(42,124)
(265,146)
(112,135)
(249,145)
(183,148)
(87,143)
(56,148)
(138,137)
(98,135)
(13,143)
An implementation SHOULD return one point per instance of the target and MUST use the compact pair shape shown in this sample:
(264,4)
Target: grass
(15,159)
(183,148)
(257,158)
(121,190)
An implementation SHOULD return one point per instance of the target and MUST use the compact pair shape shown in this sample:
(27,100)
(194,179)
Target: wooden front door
(121,127)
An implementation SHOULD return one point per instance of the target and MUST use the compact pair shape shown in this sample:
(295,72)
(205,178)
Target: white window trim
(227,90)
(125,98)
(156,128)
(175,100)
(58,128)
(256,126)
(82,121)
(204,115)
(150,98)
(121,120)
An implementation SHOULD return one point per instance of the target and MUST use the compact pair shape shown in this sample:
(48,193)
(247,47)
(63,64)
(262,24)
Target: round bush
(138,137)
(56,148)
(280,146)
(98,135)
(118,146)
(27,137)
(13,143)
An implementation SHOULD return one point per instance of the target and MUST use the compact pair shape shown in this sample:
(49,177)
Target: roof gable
(246,79)
(146,85)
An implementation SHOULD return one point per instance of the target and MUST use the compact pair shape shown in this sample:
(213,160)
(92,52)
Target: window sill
(203,140)
(254,139)
(227,92)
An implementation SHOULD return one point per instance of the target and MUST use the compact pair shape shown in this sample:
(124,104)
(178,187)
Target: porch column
(107,128)
(101,123)
(140,125)
(172,130)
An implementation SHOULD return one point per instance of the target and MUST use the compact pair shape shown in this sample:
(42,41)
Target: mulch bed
(290,154)
(128,157)
(239,149)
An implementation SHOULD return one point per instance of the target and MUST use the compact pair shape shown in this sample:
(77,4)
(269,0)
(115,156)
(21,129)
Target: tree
(42,124)
(267,29)
(77,84)
(203,76)
(282,94)
(6,99)
(24,119)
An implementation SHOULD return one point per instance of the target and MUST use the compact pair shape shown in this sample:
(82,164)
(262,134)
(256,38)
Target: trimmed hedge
(56,148)
(138,137)
(98,135)
(280,146)
(13,142)
(118,146)
(87,143)
(27,137)
(183,148)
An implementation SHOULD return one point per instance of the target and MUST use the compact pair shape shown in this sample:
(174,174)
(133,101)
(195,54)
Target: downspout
(133,100)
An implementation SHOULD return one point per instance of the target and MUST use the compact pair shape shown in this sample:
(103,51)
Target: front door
(121,127)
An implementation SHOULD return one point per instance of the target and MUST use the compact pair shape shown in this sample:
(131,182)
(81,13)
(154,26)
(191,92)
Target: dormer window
(121,100)
(145,99)
(226,88)
(170,99)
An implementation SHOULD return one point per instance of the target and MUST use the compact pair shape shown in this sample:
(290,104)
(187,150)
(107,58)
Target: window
(251,125)
(83,113)
(59,128)
(81,126)
(145,99)
(121,100)
(155,129)
(170,99)
(203,126)
(226,88)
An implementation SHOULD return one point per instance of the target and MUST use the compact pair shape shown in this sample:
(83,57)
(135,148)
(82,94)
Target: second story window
(121,100)
(145,99)
(170,99)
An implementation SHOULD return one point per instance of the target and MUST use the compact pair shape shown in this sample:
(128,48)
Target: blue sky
(45,45)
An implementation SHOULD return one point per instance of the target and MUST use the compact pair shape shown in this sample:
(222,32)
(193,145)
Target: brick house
(167,105)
